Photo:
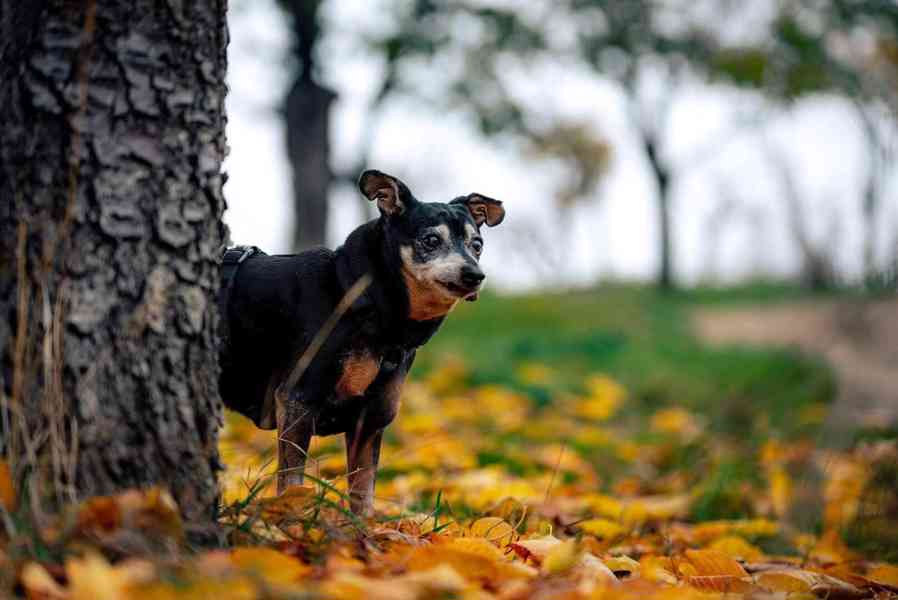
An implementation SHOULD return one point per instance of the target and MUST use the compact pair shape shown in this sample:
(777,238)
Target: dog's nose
(471,276)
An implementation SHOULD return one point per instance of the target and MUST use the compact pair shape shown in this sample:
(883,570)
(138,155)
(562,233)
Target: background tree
(110,232)
(841,47)
(307,118)
(638,44)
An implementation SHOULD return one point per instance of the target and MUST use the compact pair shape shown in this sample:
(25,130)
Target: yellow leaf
(535,549)
(738,548)
(884,575)
(561,557)
(605,396)
(799,581)
(493,529)
(475,558)
(659,569)
(603,528)
(7,491)
(753,528)
(592,570)
(604,505)
(270,565)
(288,504)
(831,549)
(676,421)
(622,563)
(780,491)
(39,585)
(93,578)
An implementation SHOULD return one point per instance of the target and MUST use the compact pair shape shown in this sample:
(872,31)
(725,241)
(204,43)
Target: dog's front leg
(294,434)
(362,455)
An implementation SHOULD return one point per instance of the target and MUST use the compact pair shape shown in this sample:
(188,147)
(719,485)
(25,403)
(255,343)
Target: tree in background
(650,49)
(635,43)
(841,47)
(111,144)
(307,115)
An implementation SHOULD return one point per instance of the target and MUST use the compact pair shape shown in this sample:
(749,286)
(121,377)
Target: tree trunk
(307,110)
(662,181)
(307,113)
(111,143)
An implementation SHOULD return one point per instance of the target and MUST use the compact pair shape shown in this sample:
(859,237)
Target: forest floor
(578,445)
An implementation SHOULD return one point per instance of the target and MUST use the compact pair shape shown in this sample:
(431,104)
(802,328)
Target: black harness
(230,263)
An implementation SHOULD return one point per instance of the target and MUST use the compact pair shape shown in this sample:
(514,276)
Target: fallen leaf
(800,581)
(884,575)
(7,490)
(39,584)
(603,529)
(738,548)
(659,569)
(91,577)
(561,557)
(535,549)
(715,571)
(493,529)
(270,565)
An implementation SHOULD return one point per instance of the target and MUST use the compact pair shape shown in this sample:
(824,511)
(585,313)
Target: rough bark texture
(111,143)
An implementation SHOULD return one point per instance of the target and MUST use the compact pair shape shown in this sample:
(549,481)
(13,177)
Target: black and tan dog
(418,260)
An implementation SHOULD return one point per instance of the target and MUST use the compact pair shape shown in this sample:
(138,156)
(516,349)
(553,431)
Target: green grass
(643,339)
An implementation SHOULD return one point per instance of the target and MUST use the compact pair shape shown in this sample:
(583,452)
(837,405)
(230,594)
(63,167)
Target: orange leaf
(884,575)
(7,491)
(272,566)
(715,571)
(288,504)
(659,569)
(736,547)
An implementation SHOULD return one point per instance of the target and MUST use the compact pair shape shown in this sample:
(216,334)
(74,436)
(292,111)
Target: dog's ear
(483,208)
(391,195)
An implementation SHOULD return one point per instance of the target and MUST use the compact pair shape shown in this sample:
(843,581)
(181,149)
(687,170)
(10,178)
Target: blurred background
(693,292)
(667,141)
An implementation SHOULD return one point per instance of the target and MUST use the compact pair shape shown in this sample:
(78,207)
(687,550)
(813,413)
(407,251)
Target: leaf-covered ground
(532,465)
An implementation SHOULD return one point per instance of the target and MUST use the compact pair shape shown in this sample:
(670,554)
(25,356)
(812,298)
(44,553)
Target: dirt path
(858,338)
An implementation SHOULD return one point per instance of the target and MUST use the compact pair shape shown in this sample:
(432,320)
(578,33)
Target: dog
(320,343)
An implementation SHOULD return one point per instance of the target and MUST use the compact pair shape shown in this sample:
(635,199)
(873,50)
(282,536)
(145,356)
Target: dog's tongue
(472,297)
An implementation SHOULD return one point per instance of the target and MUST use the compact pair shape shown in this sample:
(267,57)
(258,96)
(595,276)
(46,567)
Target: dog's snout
(472,276)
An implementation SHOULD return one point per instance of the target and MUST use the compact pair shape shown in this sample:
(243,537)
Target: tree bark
(111,144)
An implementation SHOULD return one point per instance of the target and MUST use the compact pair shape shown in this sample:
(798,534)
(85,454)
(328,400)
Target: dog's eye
(432,241)
(477,246)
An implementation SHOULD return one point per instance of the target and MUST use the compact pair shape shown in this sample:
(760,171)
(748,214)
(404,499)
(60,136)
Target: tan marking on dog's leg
(294,435)
(362,456)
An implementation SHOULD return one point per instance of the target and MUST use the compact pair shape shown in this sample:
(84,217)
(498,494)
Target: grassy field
(643,339)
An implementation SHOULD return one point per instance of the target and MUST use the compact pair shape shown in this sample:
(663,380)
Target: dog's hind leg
(362,455)
(295,428)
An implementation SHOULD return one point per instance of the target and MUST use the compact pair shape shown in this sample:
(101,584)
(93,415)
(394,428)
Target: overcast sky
(612,235)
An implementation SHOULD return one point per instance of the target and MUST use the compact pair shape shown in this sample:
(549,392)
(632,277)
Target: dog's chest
(359,369)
